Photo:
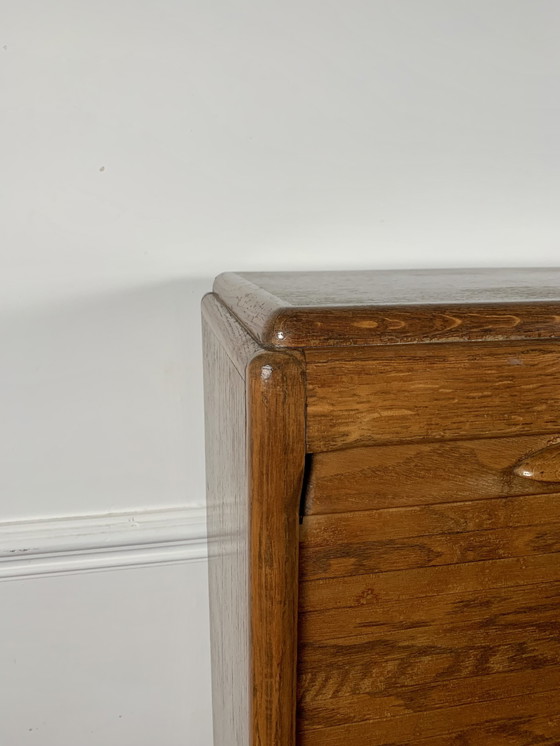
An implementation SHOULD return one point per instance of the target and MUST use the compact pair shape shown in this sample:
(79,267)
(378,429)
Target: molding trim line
(73,544)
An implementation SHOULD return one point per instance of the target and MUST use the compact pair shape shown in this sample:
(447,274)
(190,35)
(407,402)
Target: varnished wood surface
(255,459)
(429,620)
(338,309)
(399,538)
(423,473)
(363,590)
(509,731)
(390,665)
(542,466)
(370,396)
(502,605)
(519,717)
(387,673)
(407,700)
(276,437)
(416,582)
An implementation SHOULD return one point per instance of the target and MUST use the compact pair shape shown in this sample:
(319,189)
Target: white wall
(146,146)
(106,659)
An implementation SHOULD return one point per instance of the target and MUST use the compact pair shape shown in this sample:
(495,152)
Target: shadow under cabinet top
(380,307)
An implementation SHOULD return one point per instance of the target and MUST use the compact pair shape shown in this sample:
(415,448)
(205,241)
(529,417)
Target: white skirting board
(71,544)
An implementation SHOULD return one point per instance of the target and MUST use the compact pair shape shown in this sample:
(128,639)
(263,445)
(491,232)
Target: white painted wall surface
(146,146)
(106,659)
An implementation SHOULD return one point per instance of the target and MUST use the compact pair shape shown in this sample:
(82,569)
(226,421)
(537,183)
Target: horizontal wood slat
(362,590)
(505,716)
(354,558)
(423,520)
(495,606)
(422,473)
(512,731)
(425,665)
(345,653)
(368,396)
(407,700)
(447,533)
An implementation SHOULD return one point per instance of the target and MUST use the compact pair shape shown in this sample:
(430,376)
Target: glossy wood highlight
(345,309)
(543,466)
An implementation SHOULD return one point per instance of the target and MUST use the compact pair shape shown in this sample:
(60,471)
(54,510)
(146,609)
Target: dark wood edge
(276,325)
(276,420)
(344,326)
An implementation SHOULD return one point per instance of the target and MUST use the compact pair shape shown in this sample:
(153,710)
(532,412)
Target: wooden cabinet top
(362,308)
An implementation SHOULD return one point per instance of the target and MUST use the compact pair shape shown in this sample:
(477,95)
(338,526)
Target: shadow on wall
(101,401)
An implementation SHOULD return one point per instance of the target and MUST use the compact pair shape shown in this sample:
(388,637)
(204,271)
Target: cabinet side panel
(228,516)
(255,451)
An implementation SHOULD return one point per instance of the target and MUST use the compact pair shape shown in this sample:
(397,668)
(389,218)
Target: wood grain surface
(433,619)
(410,594)
(512,718)
(370,396)
(542,466)
(255,459)
(407,700)
(391,615)
(345,309)
(362,590)
(422,473)
(276,442)
(390,666)
(367,542)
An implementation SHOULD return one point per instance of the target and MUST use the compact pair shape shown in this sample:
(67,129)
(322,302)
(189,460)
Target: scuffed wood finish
(255,458)
(430,392)
(421,473)
(543,466)
(345,309)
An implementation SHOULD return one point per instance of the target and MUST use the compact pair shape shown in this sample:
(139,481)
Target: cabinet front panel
(433,618)
(358,479)
(370,396)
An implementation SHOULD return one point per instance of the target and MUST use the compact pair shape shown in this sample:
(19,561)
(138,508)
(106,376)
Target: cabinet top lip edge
(316,309)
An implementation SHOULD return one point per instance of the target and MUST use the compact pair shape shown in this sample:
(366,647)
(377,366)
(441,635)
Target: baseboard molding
(72,544)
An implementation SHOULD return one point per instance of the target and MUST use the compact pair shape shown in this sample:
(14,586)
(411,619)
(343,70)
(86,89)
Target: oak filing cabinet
(383,453)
